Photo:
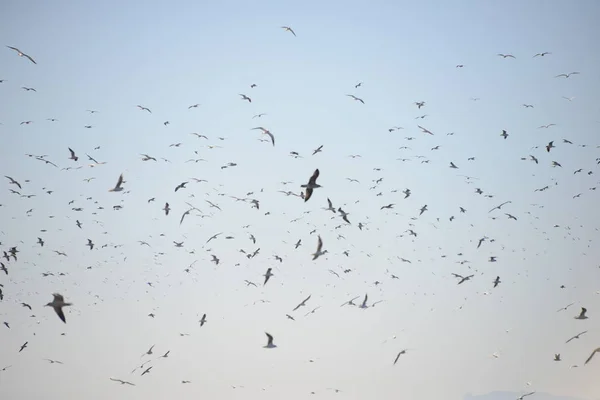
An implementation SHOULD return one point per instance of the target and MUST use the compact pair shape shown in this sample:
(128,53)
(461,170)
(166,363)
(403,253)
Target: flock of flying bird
(305,193)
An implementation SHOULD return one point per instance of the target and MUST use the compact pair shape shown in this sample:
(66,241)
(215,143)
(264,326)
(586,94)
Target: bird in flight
(302,304)
(462,278)
(506,55)
(542,54)
(270,344)
(144,108)
(266,132)
(73,156)
(582,314)
(567,75)
(311,185)
(525,395)
(592,355)
(398,356)
(244,97)
(118,187)
(58,303)
(288,29)
(267,276)
(576,336)
(319,251)
(21,54)
(122,382)
(355,98)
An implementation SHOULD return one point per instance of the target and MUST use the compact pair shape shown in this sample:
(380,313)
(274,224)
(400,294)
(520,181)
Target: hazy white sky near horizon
(111,56)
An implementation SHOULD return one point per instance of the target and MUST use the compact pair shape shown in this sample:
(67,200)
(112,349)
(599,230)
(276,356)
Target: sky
(462,341)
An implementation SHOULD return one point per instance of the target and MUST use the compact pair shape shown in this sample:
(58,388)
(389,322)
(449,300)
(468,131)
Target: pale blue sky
(110,56)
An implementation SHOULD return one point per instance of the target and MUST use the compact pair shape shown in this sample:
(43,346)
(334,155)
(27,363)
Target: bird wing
(308,194)
(58,297)
(270,338)
(30,59)
(60,314)
(319,244)
(271,136)
(313,178)
(120,181)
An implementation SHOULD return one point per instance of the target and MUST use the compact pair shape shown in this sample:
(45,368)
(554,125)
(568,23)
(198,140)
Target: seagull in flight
(270,344)
(462,278)
(592,355)
(319,251)
(542,54)
(506,55)
(576,336)
(244,97)
(122,382)
(582,314)
(144,108)
(303,303)
(73,156)
(312,184)
(567,75)
(288,29)
(356,98)
(58,303)
(398,356)
(21,54)
(267,276)
(525,395)
(118,187)
(266,132)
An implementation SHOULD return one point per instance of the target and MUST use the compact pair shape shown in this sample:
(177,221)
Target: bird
(244,97)
(506,55)
(90,244)
(576,336)
(462,278)
(497,281)
(270,344)
(398,356)
(312,184)
(356,98)
(144,109)
(267,276)
(203,320)
(541,54)
(122,382)
(181,186)
(21,54)
(302,304)
(73,156)
(266,132)
(567,75)
(582,314)
(319,252)
(525,395)
(504,134)
(549,146)
(592,355)
(288,29)
(166,209)
(57,304)
(118,187)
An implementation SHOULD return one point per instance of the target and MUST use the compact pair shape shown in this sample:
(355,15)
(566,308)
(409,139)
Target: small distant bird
(567,75)
(542,54)
(57,304)
(118,187)
(122,382)
(452,165)
(312,184)
(21,54)
(504,134)
(244,97)
(576,336)
(90,244)
(181,186)
(270,344)
(267,276)
(319,251)
(557,357)
(203,320)
(288,29)
(550,146)
(302,304)
(398,356)
(506,55)
(144,109)
(497,281)
(356,98)
(166,209)
(73,156)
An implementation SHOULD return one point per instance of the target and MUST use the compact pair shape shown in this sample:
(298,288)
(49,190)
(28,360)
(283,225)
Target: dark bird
(181,186)
(311,185)
(244,97)
(57,304)
(73,156)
